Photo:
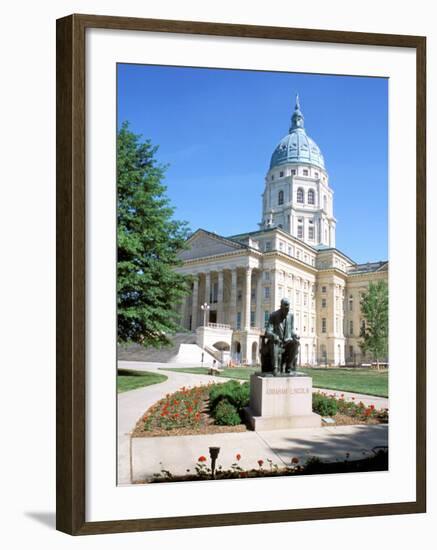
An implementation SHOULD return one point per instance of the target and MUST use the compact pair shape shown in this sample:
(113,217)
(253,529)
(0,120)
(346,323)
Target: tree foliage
(148,240)
(374,308)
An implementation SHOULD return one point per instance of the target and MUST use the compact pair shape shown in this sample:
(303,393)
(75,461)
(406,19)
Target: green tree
(374,333)
(148,240)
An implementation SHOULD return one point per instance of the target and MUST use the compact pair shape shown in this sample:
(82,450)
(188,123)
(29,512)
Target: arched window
(300,195)
(281,197)
(311,196)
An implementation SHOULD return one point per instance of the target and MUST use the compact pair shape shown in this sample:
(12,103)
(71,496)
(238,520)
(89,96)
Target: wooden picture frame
(71,283)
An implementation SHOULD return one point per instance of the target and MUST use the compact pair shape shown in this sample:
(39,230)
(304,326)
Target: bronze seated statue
(279,346)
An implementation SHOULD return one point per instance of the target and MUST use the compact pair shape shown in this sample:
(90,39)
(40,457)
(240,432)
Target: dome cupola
(297,147)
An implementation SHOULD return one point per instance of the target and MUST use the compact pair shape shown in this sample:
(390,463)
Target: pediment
(203,244)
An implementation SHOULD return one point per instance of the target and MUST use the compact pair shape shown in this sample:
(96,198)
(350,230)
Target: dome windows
(300,195)
(311,196)
(281,197)
(300,228)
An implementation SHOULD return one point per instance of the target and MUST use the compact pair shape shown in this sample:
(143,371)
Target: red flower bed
(177,410)
(329,404)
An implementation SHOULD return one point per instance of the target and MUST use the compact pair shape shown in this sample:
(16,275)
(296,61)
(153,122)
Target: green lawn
(367,381)
(133,379)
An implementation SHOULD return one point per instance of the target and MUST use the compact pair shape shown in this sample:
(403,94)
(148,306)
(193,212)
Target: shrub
(235,393)
(324,405)
(226,414)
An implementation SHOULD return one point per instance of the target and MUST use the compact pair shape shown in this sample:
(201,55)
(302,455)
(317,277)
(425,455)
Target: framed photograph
(241,274)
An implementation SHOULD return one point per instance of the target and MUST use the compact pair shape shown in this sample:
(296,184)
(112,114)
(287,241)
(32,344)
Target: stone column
(273,289)
(233,302)
(184,312)
(247,301)
(194,303)
(207,294)
(220,305)
(259,317)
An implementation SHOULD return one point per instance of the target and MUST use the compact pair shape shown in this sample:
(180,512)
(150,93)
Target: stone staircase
(184,350)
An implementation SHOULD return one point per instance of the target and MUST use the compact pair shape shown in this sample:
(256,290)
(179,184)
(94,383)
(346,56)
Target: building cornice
(244,253)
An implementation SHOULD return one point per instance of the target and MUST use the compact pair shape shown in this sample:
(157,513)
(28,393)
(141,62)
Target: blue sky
(217,129)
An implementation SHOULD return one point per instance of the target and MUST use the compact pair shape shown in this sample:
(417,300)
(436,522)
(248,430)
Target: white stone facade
(297,198)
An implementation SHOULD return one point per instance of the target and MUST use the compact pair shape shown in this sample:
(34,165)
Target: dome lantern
(297,118)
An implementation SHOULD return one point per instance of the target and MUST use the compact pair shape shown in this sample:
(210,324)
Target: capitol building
(292,254)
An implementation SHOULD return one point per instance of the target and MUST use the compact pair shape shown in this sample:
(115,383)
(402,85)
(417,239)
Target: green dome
(297,147)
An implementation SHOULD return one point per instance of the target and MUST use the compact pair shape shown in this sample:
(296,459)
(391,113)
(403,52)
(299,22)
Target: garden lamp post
(205,308)
(213,453)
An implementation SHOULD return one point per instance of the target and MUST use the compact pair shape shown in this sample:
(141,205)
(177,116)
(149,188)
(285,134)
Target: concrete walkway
(133,404)
(178,453)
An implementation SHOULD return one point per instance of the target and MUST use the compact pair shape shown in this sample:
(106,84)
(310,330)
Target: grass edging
(129,379)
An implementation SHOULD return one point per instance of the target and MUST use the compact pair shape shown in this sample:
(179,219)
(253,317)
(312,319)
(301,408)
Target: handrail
(218,325)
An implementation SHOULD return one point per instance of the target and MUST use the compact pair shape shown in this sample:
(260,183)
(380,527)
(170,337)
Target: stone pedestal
(278,402)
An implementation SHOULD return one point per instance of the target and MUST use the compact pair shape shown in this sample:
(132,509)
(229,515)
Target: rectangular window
(252,318)
(214,293)
(351,328)
(305,172)
(239,320)
(293,172)
(297,298)
(305,299)
(351,305)
(266,292)
(300,231)
(298,254)
(281,174)
(267,246)
(323,289)
(239,294)
(267,275)
(266,317)
(323,302)
(281,246)
(311,233)
(324,325)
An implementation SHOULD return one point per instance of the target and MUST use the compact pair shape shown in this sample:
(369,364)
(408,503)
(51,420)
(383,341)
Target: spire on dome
(297,117)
